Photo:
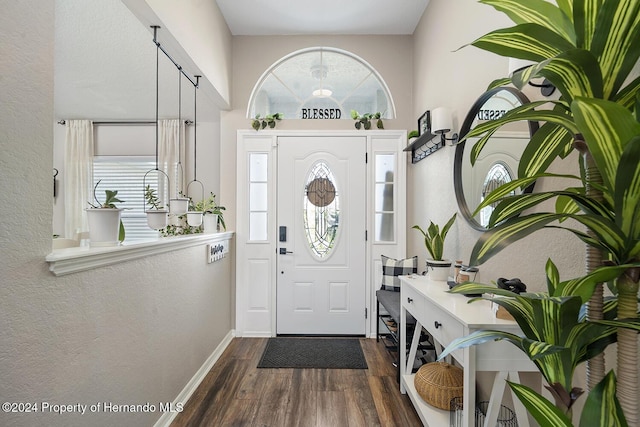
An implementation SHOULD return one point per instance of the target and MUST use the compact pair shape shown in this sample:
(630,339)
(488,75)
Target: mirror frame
(459,155)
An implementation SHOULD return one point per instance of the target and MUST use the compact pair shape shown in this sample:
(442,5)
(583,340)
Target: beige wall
(131,333)
(201,30)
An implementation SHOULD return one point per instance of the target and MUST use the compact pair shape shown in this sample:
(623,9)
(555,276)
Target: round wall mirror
(498,161)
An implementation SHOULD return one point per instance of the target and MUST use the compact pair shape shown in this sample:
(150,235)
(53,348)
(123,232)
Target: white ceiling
(105,57)
(288,17)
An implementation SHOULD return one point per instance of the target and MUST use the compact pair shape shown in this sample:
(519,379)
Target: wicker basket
(439,382)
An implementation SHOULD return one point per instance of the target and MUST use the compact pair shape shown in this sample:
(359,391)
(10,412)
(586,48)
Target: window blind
(126,175)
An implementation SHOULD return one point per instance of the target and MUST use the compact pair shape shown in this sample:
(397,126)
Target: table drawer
(444,328)
(414,301)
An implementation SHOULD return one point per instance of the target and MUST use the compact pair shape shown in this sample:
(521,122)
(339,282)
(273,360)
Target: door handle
(284,251)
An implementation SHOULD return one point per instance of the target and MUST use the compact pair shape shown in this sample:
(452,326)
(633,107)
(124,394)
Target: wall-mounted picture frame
(423,123)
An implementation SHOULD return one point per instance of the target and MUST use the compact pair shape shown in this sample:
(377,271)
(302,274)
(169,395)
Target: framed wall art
(423,123)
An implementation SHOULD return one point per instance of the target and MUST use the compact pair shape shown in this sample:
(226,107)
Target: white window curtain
(170,152)
(78,176)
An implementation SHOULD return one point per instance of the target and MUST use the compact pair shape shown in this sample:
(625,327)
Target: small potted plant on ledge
(364,121)
(438,269)
(213,215)
(156,214)
(269,120)
(105,226)
(194,214)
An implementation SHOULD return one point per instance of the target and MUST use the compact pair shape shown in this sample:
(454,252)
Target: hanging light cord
(195,128)
(155,29)
(179,113)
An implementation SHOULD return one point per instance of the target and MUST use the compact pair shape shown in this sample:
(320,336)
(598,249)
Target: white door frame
(256,250)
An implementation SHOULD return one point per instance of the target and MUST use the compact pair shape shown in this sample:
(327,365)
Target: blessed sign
(321,113)
(491,114)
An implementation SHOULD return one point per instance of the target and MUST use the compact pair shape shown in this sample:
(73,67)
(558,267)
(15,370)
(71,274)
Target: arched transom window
(321,81)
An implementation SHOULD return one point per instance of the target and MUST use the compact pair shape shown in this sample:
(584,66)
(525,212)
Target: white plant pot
(104,226)
(210,222)
(194,218)
(178,206)
(438,271)
(157,219)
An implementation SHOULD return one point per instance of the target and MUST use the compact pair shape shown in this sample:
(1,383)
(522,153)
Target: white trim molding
(72,260)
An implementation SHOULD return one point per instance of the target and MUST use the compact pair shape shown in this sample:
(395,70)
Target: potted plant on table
(434,237)
(105,225)
(156,214)
(587,50)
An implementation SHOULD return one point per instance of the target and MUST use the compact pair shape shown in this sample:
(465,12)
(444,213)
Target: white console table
(446,317)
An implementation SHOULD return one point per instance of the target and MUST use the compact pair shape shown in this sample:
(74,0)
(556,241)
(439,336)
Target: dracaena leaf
(479,337)
(499,83)
(583,286)
(515,205)
(543,411)
(492,125)
(553,276)
(525,41)
(575,73)
(519,114)
(514,186)
(493,241)
(628,95)
(627,195)
(538,12)
(616,42)
(606,126)
(602,407)
(604,229)
(549,142)
(585,14)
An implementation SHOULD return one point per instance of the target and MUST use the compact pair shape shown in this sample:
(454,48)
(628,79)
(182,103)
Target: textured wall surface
(131,333)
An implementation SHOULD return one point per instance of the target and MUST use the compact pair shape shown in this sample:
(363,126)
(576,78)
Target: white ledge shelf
(72,260)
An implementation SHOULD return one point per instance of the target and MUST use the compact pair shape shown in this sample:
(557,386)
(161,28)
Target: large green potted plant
(557,338)
(434,237)
(587,49)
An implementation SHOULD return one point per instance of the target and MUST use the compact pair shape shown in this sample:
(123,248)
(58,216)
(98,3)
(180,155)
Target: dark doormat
(322,353)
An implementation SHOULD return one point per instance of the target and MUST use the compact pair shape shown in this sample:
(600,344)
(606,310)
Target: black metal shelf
(423,146)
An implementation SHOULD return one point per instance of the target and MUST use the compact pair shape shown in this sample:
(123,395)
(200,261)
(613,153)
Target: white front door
(321,235)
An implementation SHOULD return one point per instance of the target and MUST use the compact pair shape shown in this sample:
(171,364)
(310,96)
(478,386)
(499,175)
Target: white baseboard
(167,418)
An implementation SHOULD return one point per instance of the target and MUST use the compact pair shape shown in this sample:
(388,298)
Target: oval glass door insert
(321,210)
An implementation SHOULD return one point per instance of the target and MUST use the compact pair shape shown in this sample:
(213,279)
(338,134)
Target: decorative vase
(194,218)
(178,206)
(104,226)
(438,271)
(210,222)
(157,219)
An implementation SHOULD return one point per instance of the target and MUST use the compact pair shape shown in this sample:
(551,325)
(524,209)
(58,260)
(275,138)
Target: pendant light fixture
(157,215)
(179,205)
(194,218)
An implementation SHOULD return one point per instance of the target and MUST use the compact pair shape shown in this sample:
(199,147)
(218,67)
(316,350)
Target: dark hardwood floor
(236,393)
